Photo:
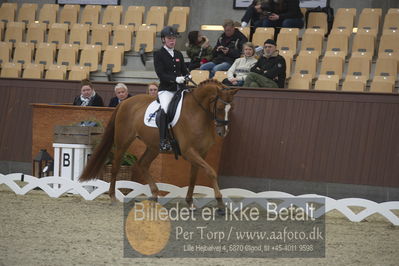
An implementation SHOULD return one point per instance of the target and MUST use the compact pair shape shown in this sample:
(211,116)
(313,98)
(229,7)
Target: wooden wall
(298,135)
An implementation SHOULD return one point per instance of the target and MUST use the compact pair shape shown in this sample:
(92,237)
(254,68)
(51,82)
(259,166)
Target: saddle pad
(152,109)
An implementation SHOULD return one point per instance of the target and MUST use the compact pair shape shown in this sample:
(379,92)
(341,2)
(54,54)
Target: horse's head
(221,105)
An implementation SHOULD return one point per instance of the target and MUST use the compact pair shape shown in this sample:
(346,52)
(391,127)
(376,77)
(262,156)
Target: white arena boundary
(57,186)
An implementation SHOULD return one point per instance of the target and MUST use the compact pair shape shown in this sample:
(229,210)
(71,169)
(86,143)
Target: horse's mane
(208,82)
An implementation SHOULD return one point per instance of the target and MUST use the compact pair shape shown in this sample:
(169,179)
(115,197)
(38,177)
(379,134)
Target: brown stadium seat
(220,75)
(156,17)
(48,14)
(389,46)
(353,84)
(69,15)
(123,37)
(326,83)
(23,53)
(145,38)
(287,40)
(67,55)
(359,66)
(332,65)
(100,35)
(337,45)
(134,16)
(112,15)
(78,73)
(288,63)
(45,54)
(382,84)
(346,32)
(377,11)
(36,32)
(306,65)
(386,69)
(186,9)
(164,9)
(113,58)
(261,35)
(90,57)
(27,13)
(10,5)
(7,13)
(199,75)
(56,72)
(33,71)
(317,20)
(393,10)
(79,34)
(370,21)
(11,70)
(14,32)
(5,52)
(245,30)
(344,18)
(178,18)
(312,43)
(363,44)
(391,21)
(90,15)
(299,82)
(57,34)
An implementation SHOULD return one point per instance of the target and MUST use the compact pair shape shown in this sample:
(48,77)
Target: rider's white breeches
(164,98)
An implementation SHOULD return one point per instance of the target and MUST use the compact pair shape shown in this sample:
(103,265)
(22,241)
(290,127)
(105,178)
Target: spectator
(121,93)
(269,71)
(88,96)
(254,15)
(282,13)
(241,67)
(152,89)
(228,48)
(198,50)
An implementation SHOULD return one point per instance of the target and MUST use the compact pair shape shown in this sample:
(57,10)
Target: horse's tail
(97,159)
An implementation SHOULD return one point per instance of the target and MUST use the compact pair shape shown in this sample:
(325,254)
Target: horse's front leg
(193,178)
(144,164)
(195,158)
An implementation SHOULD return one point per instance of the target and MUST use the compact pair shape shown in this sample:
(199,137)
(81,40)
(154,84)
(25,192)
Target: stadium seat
(90,15)
(344,19)
(337,44)
(220,75)
(79,34)
(199,75)
(14,32)
(112,60)
(57,34)
(382,84)
(48,14)
(288,63)
(353,84)
(245,30)
(123,37)
(393,10)
(389,46)
(367,10)
(332,65)
(178,19)
(45,54)
(359,68)
(164,9)
(23,53)
(100,35)
(317,20)
(10,5)
(67,55)
(369,21)
(326,83)
(7,13)
(287,40)
(27,13)
(11,70)
(69,15)
(56,72)
(186,9)
(312,43)
(299,82)
(33,71)
(145,39)
(387,68)
(156,17)
(364,44)
(391,21)
(90,57)
(261,35)
(134,16)
(36,32)
(78,73)
(5,52)
(112,15)
(306,65)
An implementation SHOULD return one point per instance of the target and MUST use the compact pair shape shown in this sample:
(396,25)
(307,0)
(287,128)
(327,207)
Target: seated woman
(198,50)
(241,67)
(152,89)
(121,93)
(88,96)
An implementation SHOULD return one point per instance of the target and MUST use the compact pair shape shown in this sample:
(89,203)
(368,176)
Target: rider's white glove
(180,80)
(244,24)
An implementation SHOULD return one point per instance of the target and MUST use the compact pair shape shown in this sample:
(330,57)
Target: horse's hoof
(221,211)
(155,199)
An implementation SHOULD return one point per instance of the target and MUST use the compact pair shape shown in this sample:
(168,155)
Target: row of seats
(90,15)
(80,35)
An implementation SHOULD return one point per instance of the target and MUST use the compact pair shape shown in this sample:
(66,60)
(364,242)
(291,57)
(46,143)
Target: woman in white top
(241,66)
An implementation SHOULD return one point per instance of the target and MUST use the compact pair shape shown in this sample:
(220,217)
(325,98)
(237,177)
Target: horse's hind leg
(144,164)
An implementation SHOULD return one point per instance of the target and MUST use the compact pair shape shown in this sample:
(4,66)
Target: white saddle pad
(150,113)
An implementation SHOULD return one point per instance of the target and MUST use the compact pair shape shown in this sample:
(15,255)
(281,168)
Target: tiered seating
(262,34)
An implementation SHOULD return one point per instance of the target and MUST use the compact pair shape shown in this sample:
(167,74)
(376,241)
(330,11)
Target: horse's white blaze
(227,108)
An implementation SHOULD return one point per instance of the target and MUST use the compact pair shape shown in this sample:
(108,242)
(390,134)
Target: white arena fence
(57,186)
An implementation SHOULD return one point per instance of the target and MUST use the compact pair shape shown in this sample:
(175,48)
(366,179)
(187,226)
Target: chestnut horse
(204,114)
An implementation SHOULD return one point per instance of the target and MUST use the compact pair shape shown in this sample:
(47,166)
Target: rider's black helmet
(169,31)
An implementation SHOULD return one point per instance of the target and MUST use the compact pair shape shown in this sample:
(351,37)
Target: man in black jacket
(228,48)
(171,69)
(282,13)
(269,71)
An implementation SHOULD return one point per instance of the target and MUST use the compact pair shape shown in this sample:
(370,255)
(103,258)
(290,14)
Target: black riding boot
(164,144)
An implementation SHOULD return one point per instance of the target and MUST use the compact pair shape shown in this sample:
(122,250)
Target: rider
(171,69)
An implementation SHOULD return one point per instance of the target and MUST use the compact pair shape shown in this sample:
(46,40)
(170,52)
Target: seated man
(282,13)
(88,96)
(228,48)
(269,71)
(121,93)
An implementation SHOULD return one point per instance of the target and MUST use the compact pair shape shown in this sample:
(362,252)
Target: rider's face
(170,42)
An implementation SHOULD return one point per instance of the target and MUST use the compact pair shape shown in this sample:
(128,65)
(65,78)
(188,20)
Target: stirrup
(164,146)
